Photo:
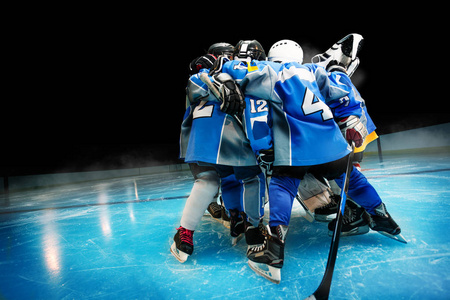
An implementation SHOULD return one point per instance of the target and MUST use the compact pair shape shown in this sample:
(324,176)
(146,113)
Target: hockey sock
(361,191)
(231,192)
(282,191)
(202,193)
(253,193)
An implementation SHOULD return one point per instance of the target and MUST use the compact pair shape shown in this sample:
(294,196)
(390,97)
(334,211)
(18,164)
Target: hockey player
(347,109)
(207,181)
(217,139)
(342,57)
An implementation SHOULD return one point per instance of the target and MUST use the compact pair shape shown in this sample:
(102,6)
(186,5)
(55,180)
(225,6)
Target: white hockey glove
(353,130)
(231,96)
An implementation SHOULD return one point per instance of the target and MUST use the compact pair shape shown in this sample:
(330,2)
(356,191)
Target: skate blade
(235,240)
(219,220)
(271,273)
(355,231)
(180,255)
(325,218)
(399,237)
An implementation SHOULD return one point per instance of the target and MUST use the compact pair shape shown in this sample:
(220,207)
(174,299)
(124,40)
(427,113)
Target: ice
(111,239)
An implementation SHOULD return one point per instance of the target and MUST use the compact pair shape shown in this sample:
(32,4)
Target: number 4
(312,105)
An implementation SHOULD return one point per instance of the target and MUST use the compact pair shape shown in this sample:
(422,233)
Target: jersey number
(203,111)
(261,105)
(312,105)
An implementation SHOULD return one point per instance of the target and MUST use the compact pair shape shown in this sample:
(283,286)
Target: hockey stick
(323,290)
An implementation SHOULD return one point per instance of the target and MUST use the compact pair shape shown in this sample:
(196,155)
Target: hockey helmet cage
(249,49)
(218,49)
(285,51)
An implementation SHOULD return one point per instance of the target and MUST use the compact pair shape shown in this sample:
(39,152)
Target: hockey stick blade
(323,291)
(205,79)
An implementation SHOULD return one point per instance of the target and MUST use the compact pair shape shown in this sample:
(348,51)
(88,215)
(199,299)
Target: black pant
(330,170)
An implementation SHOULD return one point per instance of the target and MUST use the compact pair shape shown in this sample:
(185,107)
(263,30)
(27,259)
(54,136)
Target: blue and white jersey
(341,96)
(304,131)
(210,136)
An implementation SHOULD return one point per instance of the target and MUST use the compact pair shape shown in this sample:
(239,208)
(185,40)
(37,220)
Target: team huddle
(268,129)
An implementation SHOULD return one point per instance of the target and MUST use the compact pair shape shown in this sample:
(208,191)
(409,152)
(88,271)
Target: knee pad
(209,181)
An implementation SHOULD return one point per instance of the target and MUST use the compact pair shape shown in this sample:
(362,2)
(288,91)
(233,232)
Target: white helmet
(286,51)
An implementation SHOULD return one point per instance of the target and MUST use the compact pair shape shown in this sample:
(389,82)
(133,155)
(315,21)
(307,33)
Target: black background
(105,89)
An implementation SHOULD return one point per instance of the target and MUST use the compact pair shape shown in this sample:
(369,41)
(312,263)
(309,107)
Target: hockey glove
(202,62)
(218,65)
(353,130)
(266,159)
(230,94)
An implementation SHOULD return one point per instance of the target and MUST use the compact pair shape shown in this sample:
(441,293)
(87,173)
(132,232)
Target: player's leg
(270,255)
(231,195)
(203,191)
(364,194)
(252,201)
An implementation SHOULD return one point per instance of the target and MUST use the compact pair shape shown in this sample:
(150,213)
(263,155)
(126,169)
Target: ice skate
(267,259)
(237,226)
(219,214)
(328,212)
(183,245)
(342,56)
(215,210)
(384,224)
(353,222)
(254,236)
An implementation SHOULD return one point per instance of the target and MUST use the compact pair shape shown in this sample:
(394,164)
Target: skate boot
(353,223)
(384,224)
(267,259)
(254,235)
(237,225)
(183,244)
(215,210)
(219,214)
(342,56)
(328,212)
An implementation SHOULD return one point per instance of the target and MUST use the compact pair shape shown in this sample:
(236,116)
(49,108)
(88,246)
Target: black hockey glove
(231,96)
(202,62)
(218,65)
(266,159)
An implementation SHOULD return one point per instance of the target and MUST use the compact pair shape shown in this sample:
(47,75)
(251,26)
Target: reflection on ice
(51,243)
(105,221)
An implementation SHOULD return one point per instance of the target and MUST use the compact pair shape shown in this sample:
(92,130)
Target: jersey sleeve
(197,90)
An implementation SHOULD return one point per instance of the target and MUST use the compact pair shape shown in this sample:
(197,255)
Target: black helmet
(218,49)
(249,48)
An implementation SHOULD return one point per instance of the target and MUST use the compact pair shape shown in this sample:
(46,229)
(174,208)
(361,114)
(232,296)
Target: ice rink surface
(110,240)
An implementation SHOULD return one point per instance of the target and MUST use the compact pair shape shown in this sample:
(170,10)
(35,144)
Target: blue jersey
(210,136)
(342,96)
(304,131)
